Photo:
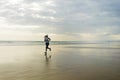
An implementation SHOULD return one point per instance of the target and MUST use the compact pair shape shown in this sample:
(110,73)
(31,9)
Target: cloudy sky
(86,20)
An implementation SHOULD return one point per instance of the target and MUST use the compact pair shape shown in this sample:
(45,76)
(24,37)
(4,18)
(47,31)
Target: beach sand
(66,63)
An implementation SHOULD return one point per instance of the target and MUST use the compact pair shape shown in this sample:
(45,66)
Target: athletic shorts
(47,44)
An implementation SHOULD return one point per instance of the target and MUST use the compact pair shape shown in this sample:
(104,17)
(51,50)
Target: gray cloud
(63,16)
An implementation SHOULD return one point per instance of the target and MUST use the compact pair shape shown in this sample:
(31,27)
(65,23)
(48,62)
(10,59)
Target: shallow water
(67,62)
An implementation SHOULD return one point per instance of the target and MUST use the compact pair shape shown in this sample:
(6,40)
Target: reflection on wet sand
(47,59)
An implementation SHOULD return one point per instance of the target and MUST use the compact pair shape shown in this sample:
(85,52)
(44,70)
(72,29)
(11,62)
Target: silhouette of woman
(47,40)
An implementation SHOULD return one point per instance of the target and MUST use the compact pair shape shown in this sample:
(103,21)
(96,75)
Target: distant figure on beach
(47,40)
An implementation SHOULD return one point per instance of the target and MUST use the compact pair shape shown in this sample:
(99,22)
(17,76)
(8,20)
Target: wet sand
(65,63)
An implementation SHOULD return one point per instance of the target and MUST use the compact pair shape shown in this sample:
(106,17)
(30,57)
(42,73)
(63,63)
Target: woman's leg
(46,46)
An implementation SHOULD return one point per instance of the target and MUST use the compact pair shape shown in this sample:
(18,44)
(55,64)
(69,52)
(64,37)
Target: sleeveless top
(47,40)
